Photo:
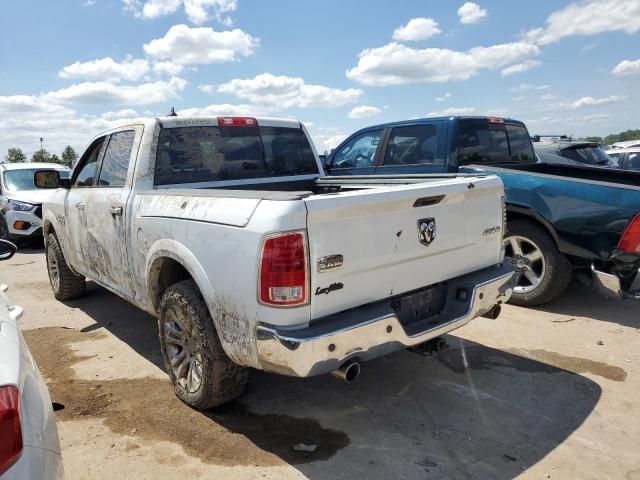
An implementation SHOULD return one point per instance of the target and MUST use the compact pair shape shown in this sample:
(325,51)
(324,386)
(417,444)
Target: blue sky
(72,68)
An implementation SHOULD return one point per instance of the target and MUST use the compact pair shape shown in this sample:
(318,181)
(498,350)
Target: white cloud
(498,112)
(189,46)
(443,97)
(519,67)
(471,12)
(208,89)
(588,18)
(416,29)
(109,93)
(396,64)
(452,112)
(167,68)
(285,92)
(327,142)
(363,111)
(627,67)
(117,114)
(526,87)
(584,102)
(107,69)
(197,11)
(226,109)
(548,96)
(518,98)
(89,3)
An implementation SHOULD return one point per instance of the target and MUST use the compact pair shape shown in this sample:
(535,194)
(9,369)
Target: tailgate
(396,239)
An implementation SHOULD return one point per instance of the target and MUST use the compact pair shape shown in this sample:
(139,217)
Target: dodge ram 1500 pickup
(227,231)
(560,218)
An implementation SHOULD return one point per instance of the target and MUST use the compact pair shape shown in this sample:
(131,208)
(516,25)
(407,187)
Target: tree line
(68,156)
(616,137)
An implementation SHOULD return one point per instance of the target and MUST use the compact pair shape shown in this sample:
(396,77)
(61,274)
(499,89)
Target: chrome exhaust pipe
(347,372)
(493,313)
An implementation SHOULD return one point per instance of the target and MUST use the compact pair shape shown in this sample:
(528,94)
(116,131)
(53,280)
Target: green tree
(41,156)
(592,139)
(55,158)
(15,155)
(69,156)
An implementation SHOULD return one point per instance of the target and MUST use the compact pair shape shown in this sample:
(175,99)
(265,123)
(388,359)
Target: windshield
(22,179)
(206,154)
(590,155)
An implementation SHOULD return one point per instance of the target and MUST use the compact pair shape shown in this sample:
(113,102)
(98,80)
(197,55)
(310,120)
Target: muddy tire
(202,374)
(66,285)
(542,272)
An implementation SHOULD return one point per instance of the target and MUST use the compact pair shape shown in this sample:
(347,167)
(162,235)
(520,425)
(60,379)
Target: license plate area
(420,305)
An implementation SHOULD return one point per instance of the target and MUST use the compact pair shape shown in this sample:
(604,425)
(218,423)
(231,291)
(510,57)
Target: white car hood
(36,197)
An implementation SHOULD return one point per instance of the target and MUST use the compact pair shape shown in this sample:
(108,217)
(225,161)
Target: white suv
(626,158)
(21,202)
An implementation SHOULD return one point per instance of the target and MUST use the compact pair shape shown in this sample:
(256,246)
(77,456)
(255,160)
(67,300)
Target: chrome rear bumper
(374,330)
(609,285)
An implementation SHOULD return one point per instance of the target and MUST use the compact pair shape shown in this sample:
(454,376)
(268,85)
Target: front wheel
(65,284)
(542,272)
(202,374)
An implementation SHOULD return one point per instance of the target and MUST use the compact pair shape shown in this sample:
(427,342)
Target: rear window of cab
(482,141)
(196,154)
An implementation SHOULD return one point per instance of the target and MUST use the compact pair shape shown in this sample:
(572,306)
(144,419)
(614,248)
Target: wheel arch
(515,212)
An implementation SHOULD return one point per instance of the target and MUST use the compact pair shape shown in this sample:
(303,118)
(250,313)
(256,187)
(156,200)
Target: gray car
(576,153)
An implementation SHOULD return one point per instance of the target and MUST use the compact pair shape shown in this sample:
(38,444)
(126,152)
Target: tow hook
(426,349)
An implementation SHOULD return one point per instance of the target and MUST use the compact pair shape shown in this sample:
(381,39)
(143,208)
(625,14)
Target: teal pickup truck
(561,220)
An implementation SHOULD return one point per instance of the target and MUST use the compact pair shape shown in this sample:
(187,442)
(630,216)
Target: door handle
(115,211)
(81,205)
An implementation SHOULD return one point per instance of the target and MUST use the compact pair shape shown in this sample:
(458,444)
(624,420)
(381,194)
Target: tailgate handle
(426,201)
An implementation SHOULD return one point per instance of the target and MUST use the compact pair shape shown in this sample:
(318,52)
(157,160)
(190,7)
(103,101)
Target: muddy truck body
(229,233)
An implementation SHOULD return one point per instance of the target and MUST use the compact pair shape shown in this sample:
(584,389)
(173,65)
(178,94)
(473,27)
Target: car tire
(4,230)
(202,374)
(66,284)
(556,273)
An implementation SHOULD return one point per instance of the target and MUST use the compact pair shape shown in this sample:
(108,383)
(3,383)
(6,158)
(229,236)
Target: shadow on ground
(582,301)
(472,412)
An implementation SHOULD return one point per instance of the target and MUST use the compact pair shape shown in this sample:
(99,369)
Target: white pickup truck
(227,231)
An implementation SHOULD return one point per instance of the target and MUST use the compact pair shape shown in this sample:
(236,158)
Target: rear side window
(634,161)
(520,146)
(205,154)
(482,142)
(116,159)
(416,144)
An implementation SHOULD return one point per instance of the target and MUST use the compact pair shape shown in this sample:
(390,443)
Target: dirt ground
(538,393)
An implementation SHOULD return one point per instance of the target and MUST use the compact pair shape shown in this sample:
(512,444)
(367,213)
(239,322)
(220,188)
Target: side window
(89,165)
(634,161)
(359,151)
(520,144)
(115,164)
(483,143)
(416,144)
(616,159)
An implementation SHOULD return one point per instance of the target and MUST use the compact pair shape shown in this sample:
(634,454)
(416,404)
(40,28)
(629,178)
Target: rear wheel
(65,284)
(202,374)
(542,272)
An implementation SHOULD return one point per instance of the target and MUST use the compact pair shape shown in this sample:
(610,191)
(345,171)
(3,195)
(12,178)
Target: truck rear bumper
(374,330)
(609,285)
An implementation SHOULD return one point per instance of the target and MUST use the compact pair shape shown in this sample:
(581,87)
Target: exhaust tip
(494,312)
(348,372)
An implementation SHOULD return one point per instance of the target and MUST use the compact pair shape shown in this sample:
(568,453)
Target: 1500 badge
(491,231)
(329,289)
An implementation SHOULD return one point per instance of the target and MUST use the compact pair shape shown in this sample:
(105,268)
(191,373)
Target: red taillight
(237,122)
(495,120)
(10,431)
(283,270)
(630,240)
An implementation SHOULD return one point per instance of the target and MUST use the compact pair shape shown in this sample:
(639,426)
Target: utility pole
(41,150)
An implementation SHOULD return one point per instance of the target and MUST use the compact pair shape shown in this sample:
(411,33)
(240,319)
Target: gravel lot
(547,393)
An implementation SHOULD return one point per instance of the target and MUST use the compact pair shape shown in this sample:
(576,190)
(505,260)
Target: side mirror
(46,179)
(7,249)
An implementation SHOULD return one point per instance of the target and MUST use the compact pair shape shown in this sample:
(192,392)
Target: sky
(73,68)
